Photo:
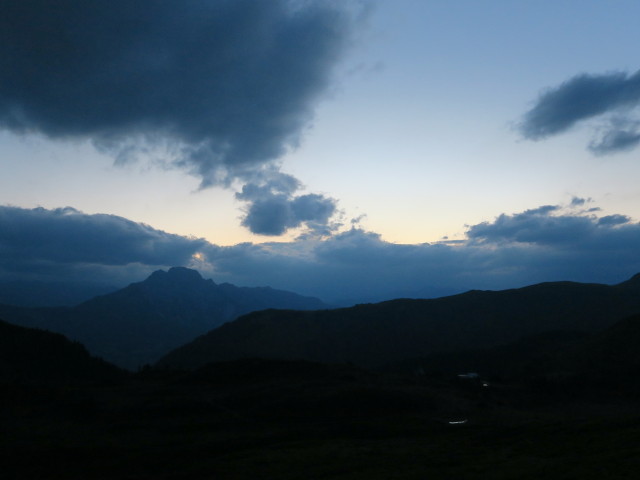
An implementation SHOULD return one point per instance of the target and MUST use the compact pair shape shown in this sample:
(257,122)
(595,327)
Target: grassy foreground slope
(299,420)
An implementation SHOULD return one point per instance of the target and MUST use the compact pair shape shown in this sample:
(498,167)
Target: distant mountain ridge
(31,356)
(47,294)
(143,321)
(378,334)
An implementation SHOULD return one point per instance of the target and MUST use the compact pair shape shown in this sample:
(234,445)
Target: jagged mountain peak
(182,275)
(145,320)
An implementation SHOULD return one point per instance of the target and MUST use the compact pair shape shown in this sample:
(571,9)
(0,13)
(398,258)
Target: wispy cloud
(612,96)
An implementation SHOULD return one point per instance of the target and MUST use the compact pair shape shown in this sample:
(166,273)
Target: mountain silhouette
(64,414)
(32,356)
(377,334)
(141,322)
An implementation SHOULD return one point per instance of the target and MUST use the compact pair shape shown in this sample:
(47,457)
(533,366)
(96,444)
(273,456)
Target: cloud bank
(613,97)
(66,244)
(548,243)
(219,88)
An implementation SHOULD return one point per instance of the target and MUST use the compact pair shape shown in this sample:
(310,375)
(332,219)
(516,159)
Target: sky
(353,150)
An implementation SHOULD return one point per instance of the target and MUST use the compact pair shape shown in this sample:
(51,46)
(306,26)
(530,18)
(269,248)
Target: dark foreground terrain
(374,335)
(270,419)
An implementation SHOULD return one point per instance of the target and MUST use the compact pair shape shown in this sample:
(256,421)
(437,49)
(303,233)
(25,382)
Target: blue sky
(379,128)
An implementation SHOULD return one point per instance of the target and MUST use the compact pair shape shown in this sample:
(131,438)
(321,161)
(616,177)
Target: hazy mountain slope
(140,323)
(47,294)
(29,356)
(377,334)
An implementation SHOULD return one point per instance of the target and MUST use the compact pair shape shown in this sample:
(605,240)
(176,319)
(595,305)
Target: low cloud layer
(219,88)
(613,98)
(543,244)
(65,244)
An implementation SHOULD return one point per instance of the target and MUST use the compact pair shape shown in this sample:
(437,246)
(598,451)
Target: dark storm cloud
(232,82)
(219,88)
(584,97)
